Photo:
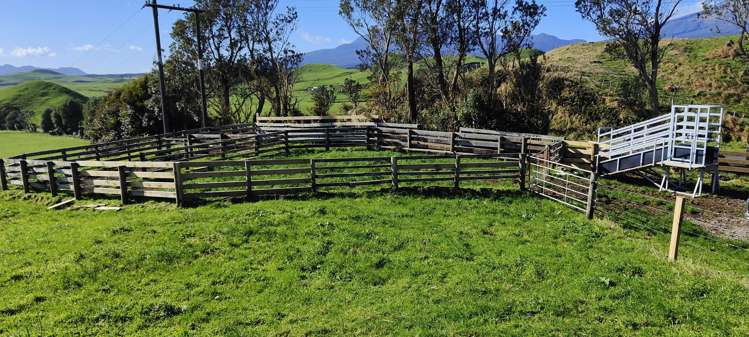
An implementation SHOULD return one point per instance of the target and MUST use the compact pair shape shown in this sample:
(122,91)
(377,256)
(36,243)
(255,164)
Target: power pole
(162,84)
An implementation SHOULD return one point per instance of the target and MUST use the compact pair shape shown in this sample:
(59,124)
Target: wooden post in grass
(592,189)
(3,178)
(673,248)
(456,179)
(286,141)
(523,168)
(408,139)
(378,147)
(178,194)
(122,173)
(248,179)
(51,177)
(452,142)
(715,181)
(75,176)
(394,172)
(327,139)
(24,175)
(313,175)
(499,144)
(224,139)
(523,156)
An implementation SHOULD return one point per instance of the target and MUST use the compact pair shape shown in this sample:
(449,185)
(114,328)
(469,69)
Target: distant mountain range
(345,54)
(8,69)
(693,26)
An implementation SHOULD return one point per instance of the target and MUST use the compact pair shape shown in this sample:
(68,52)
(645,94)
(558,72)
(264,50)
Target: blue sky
(116,36)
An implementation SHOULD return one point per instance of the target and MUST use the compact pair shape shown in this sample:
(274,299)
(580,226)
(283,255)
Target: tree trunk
(260,105)
(413,113)
(439,64)
(225,102)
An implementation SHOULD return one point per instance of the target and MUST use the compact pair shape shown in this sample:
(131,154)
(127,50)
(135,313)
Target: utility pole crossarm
(172,7)
(162,85)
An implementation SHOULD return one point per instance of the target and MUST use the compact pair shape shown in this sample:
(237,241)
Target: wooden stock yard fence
(234,161)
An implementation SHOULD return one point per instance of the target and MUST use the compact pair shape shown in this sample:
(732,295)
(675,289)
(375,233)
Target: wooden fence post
(327,139)
(96,152)
(248,178)
(51,177)
(523,145)
(256,144)
(591,200)
(3,178)
(178,198)
(224,138)
(499,145)
(368,136)
(75,176)
(715,181)
(456,179)
(378,147)
(286,141)
(313,175)
(595,149)
(408,139)
(24,175)
(673,248)
(523,169)
(394,172)
(122,173)
(452,142)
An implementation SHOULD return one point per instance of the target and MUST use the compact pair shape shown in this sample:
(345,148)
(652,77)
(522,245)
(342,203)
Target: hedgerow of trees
(422,57)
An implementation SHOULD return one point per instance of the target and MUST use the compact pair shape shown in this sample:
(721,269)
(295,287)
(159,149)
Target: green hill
(38,95)
(703,70)
(90,85)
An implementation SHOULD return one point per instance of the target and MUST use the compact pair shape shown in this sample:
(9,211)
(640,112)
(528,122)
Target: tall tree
(734,12)
(635,27)
(435,25)
(375,21)
(222,22)
(267,34)
(502,28)
(408,38)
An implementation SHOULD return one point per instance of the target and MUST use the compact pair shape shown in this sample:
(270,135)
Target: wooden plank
(114,164)
(122,173)
(152,194)
(733,169)
(273,182)
(673,248)
(218,184)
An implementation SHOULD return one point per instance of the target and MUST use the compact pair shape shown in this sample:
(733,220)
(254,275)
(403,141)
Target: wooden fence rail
(733,162)
(268,177)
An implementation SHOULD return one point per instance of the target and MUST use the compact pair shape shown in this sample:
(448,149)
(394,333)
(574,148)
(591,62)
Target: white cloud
(688,9)
(31,51)
(85,47)
(315,39)
(2,52)
(52,54)
(344,41)
(134,47)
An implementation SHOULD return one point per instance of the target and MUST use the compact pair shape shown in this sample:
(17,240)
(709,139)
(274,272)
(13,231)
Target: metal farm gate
(566,184)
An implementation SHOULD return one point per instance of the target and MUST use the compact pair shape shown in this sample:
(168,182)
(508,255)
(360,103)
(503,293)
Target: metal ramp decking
(687,138)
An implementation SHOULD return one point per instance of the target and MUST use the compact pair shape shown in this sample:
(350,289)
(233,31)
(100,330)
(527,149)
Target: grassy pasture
(418,262)
(16,142)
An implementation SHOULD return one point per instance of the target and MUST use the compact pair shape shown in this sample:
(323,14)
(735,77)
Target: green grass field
(373,263)
(16,142)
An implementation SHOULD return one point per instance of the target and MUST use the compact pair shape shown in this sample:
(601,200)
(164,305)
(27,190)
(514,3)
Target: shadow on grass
(424,192)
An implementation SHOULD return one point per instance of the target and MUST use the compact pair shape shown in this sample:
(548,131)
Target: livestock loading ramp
(688,138)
